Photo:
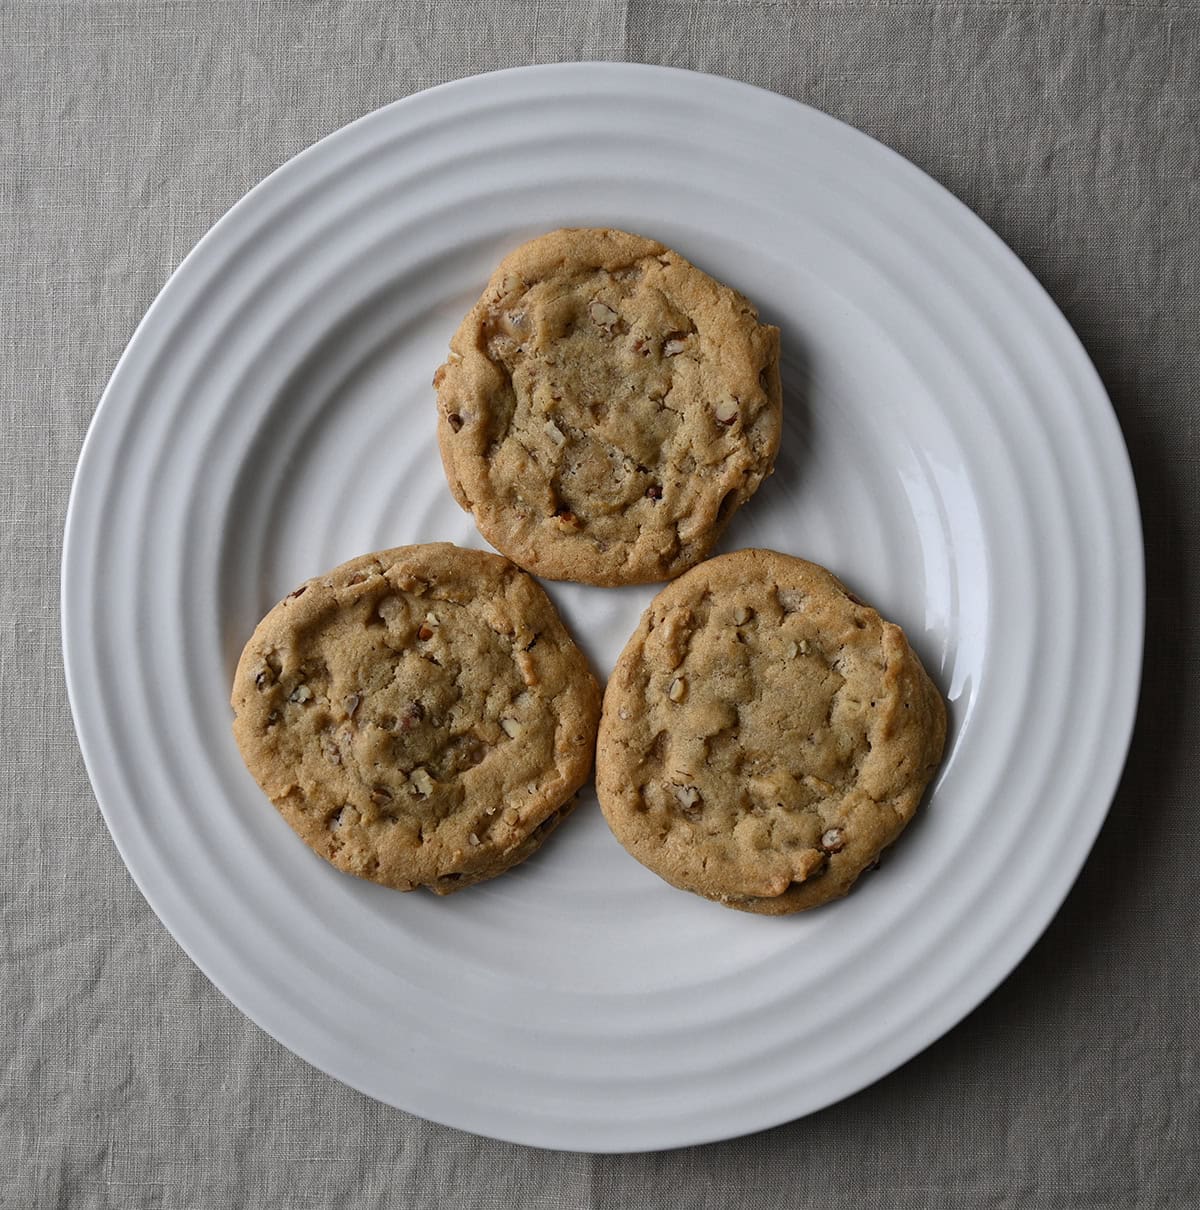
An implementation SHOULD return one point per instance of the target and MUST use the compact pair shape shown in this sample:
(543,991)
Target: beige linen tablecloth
(126,129)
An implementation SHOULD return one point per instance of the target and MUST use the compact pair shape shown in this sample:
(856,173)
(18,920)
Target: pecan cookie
(765,734)
(607,407)
(419,716)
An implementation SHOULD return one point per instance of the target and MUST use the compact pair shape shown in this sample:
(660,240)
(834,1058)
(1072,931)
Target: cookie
(765,734)
(420,716)
(606,408)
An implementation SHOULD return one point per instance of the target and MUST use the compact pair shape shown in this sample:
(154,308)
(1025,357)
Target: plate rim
(1065,340)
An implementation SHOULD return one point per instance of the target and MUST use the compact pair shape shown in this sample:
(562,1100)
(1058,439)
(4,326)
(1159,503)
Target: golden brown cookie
(607,407)
(420,716)
(765,734)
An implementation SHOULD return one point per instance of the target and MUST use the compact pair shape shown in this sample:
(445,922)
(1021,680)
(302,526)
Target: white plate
(948,451)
